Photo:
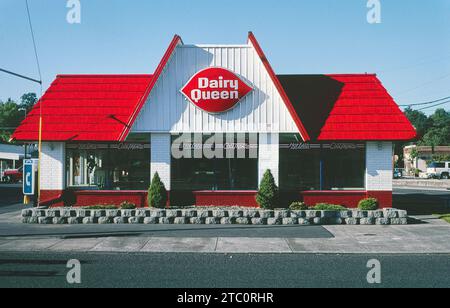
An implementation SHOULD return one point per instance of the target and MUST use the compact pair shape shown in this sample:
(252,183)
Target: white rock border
(205,215)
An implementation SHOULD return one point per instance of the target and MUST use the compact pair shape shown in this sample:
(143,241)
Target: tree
(157,193)
(268,193)
(419,120)
(28,100)
(10,116)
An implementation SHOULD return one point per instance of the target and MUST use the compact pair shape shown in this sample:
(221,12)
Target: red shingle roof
(85,108)
(346,108)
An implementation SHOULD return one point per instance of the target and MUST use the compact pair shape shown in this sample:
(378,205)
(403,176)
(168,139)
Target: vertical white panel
(160,160)
(379,166)
(269,153)
(53,159)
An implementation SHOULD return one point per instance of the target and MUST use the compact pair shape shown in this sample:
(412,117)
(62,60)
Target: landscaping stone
(273,221)
(328,214)
(318,221)
(173,213)
(189,213)
(251,213)
(98,213)
(142,213)
(25,220)
(304,222)
(197,221)
(352,221)
(280,214)
(266,214)
(204,213)
(375,214)
(74,220)
(128,213)
(180,220)
(345,214)
(104,220)
(382,221)
(290,221)
(45,220)
(298,214)
(312,214)
(27,213)
(227,220)
(211,221)
(59,220)
(83,213)
(390,213)
(157,213)
(334,221)
(65,212)
(367,221)
(90,220)
(402,214)
(150,220)
(242,221)
(235,213)
(359,214)
(399,221)
(38,213)
(135,220)
(112,213)
(219,213)
(52,213)
(166,220)
(120,220)
(259,221)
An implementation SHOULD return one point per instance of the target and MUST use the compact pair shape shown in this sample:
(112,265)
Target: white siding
(166,109)
(269,153)
(161,157)
(52,166)
(379,166)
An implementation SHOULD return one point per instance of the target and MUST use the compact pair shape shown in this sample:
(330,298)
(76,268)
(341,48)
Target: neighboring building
(424,154)
(11,157)
(326,138)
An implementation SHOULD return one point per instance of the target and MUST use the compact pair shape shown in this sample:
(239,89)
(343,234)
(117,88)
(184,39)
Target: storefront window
(237,173)
(321,166)
(108,166)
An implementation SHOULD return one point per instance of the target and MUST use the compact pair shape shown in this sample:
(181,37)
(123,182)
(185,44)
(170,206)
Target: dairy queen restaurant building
(325,138)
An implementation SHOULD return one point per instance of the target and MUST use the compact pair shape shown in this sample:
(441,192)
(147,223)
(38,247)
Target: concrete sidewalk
(429,238)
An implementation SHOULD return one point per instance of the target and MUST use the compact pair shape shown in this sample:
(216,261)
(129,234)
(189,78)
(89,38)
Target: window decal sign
(216,90)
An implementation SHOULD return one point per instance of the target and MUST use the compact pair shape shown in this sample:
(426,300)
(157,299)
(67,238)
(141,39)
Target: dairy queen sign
(215,90)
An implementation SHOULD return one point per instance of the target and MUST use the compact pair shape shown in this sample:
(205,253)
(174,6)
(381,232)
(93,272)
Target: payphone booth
(30,176)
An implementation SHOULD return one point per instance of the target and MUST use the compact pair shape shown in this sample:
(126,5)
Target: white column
(379,166)
(269,154)
(161,158)
(53,158)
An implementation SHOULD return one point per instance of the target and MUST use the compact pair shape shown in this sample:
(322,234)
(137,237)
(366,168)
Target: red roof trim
(273,76)
(168,54)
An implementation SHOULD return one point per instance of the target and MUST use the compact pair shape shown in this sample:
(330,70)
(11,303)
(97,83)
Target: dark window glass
(437,165)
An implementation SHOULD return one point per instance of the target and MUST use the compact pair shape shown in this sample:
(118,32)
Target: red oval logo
(215,90)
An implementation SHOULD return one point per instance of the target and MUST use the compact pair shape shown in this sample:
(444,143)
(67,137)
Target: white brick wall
(53,166)
(161,157)
(379,172)
(269,153)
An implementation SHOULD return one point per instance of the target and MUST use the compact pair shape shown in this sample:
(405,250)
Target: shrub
(329,207)
(127,206)
(298,206)
(157,193)
(267,197)
(370,204)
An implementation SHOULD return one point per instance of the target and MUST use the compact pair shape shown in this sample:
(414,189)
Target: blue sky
(409,50)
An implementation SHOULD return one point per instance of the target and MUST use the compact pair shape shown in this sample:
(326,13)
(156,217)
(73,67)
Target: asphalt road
(422,201)
(10,194)
(223,271)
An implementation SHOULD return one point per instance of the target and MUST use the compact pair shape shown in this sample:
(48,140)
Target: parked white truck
(439,170)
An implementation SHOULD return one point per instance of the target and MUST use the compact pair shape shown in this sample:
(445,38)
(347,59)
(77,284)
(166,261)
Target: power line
(437,105)
(20,76)
(427,103)
(34,44)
